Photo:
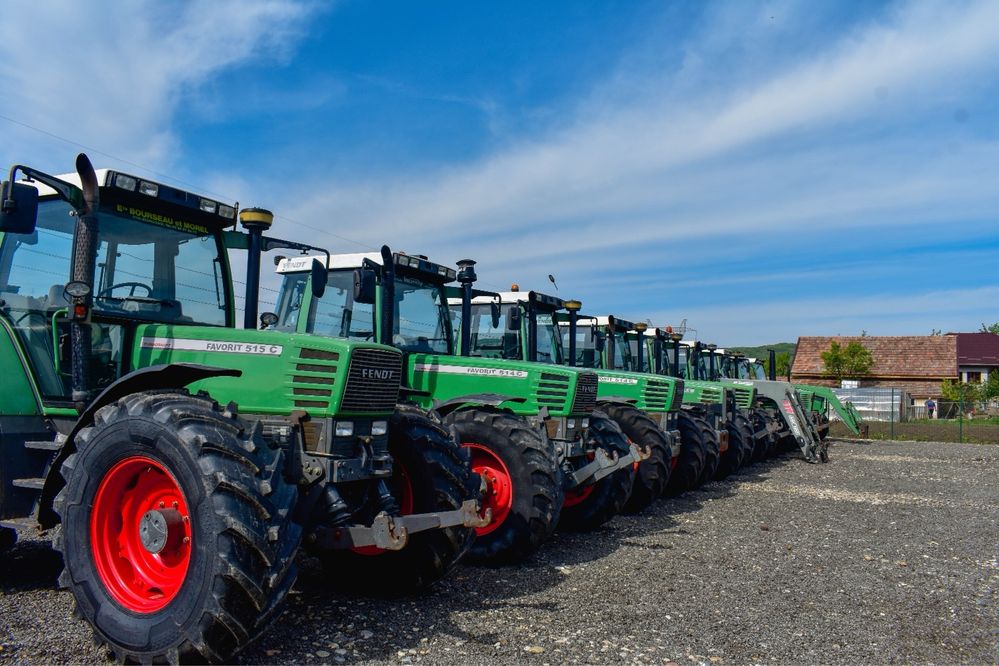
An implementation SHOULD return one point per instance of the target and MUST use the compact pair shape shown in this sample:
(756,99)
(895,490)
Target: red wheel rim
(499,485)
(577,495)
(402,490)
(139,579)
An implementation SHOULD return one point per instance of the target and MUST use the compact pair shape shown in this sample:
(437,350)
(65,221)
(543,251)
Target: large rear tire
(431,473)
(761,420)
(652,474)
(713,453)
(523,483)
(693,451)
(591,505)
(176,534)
(740,445)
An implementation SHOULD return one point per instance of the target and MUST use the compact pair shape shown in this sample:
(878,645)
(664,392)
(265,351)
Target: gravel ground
(885,555)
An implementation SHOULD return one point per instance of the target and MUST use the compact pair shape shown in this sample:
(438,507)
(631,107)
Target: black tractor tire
(510,445)
(693,451)
(608,495)
(236,507)
(8,538)
(713,452)
(761,419)
(652,474)
(740,445)
(440,479)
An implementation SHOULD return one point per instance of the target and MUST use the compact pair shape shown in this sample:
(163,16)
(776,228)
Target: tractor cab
(159,257)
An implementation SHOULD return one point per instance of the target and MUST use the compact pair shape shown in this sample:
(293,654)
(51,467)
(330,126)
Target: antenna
(551,278)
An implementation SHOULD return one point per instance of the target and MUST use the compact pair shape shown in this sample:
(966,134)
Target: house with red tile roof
(977,356)
(917,364)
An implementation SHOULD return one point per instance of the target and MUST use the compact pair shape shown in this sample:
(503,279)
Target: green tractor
(645,408)
(817,400)
(547,460)
(779,400)
(178,517)
(730,406)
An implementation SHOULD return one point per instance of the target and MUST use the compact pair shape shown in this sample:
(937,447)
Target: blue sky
(762,170)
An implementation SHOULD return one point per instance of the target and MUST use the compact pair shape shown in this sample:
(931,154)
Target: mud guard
(473,400)
(169,376)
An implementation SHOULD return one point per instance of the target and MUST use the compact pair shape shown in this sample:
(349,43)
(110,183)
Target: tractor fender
(473,400)
(169,376)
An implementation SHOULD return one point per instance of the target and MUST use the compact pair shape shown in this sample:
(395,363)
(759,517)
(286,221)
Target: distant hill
(761,351)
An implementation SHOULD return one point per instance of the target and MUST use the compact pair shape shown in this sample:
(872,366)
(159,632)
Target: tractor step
(20,524)
(43,445)
(32,484)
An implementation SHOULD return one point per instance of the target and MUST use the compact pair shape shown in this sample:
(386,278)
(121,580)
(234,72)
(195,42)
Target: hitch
(601,465)
(392,532)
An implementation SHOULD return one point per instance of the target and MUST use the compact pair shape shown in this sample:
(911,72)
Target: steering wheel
(106,293)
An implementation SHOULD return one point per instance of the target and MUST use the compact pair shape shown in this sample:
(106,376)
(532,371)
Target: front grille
(552,390)
(311,383)
(711,395)
(586,393)
(677,396)
(373,381)
(655,394)
(743,397)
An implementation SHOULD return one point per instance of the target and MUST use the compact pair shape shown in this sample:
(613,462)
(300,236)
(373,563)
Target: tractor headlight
(344,429)
(227,212)
(125,182)
(585,424)
(208,205)
(149,189)
(379,427)
(570,423)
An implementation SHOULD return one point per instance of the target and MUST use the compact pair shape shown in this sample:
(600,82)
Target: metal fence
(889,413)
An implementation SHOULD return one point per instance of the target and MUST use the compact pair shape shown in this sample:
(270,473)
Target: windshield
(549,340)
(421,321)
(589,342)
(682,363)
(622,352)
(500,341)
(759,371)
(144,271)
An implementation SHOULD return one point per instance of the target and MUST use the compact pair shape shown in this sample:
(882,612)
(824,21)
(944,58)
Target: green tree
(956,391)
(854,360)
(783,364)
(992,328)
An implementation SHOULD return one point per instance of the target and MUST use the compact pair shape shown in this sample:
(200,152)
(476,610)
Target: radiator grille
(711,395)
(586,393)
(743,397)
(552,390)
(311,383)
(656,394)
(373,381)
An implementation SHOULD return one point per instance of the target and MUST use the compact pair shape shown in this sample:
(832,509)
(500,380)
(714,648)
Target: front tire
(652,474)
(176,534)
(524,488)
(693,451)
(740,445)
(431,473)
(591,505)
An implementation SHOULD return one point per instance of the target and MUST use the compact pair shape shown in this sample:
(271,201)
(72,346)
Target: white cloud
(112,75)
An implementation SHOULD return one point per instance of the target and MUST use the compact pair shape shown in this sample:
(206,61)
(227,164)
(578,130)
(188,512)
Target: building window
(974,377)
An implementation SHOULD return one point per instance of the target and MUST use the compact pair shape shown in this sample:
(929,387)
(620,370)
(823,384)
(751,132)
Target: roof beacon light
(256,218)
(514,287)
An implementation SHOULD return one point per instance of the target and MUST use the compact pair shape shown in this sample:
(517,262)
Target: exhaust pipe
(772,370)
(467,277)
(85,240)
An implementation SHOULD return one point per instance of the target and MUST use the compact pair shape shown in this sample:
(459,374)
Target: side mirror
(319,277)
(513,318)
(268,319)
(19,208)
(364,286)
(494,311)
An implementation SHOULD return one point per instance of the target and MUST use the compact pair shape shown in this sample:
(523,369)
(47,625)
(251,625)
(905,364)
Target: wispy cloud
(113,75)
(834,136)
